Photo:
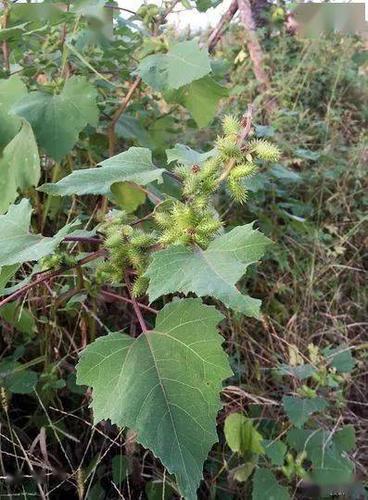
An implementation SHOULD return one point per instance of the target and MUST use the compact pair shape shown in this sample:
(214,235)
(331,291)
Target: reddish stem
(137,311)
(115,296)
(47,275)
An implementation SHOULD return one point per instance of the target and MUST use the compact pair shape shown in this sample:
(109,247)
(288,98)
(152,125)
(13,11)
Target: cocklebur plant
(192,221)
(165,384)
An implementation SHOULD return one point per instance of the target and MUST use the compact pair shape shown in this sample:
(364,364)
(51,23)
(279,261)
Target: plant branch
(47,275)
(120,110)
(5,46)
(217,33)
(135,304)
(115,296)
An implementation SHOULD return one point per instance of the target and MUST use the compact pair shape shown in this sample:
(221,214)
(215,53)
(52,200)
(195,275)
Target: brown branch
(47,275)
(5,46)
(255,50)
(217,33)
(118,113)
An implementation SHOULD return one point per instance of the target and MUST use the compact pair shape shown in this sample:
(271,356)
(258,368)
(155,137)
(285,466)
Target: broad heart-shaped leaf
(11,91)
(17,244)
(300,409)
(212,272)
(187,156)
(15,378)
(265,485)
(340,358)
(164,385)
(275,451)
(327,451)
(182,64)
(201,98)
(134,165)
(57,120)
(19,166)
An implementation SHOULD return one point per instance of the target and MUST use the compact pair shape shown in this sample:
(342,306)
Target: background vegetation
(311,340)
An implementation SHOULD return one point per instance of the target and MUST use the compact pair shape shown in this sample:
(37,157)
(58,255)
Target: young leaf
(19,166)
(183,63)
(241,435)
(212,272)
(300,409)
(11,91)
(345,439)
(17,244)
(265,486)
(134,165)
(164,385)
(57,120)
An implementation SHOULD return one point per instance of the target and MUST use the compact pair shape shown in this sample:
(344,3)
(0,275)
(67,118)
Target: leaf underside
(134,165)
(183,63)
(164,385)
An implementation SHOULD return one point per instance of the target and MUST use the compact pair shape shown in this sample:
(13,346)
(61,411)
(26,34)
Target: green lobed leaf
(17,244)
(57,120)
(300,409)
(164,385)
(275,451)
(265,485)
(187,156)
(129,127)
(340,358)
(15,378)
(241,435)
(201,98)
(213,272)
(327,452)
(19,166)
(11,91)
(134,165)
(182,64)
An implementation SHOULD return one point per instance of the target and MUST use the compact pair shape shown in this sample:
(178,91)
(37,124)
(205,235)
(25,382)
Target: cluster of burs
(193,220)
